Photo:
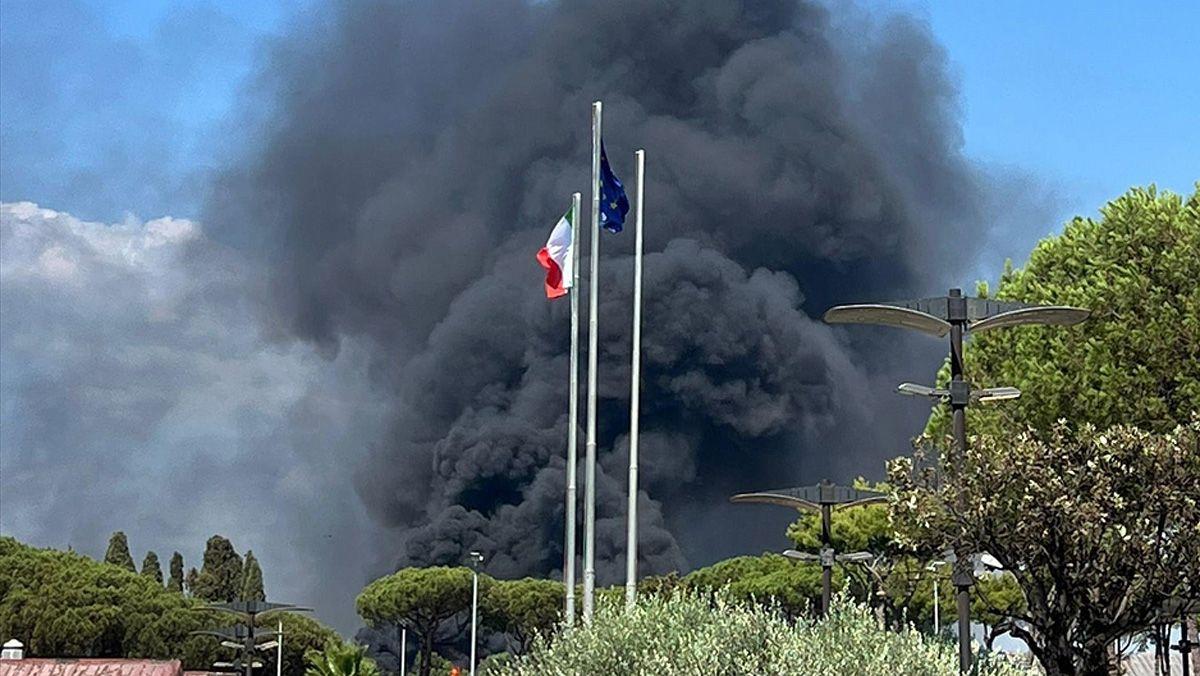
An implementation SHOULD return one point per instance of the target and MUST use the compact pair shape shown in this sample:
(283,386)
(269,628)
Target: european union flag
(613,202)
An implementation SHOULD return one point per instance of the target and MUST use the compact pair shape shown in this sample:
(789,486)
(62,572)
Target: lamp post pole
(1184,646)
(960,396)
(937,624)
(937,606)
(476,559)
(826,556)
(403,650)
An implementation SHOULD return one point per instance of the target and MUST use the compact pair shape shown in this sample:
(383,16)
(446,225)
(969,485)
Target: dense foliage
(252,580)
(523,609)
(771,579)
(175,582)
(1136,361)
(62,604)
(1099,528)
(118,552)
(220,577)
(685,634)
(150,567)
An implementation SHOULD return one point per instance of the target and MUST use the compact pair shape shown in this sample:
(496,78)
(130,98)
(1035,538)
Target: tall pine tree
(190,580)
(252,580)
(150,567)
(175,583)
(220,577)
(118,552)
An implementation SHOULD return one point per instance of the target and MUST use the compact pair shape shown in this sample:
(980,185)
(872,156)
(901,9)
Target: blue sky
(1091,97)
(1087,98)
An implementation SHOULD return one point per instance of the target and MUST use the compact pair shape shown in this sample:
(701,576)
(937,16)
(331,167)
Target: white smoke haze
(140,396)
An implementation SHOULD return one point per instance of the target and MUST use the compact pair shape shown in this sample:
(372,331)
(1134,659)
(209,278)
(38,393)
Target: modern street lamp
(955,314)
(245,635)
(822,498)
(475,558)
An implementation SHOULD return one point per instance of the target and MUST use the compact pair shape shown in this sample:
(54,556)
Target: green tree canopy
(175,582)
(64,604)
(190,581)
(220,577)
(252,580)
(1098,528)
(769,579)
(118,552)
(61,604)
(421,600)
(524,608)
(150,567)
(1137,359)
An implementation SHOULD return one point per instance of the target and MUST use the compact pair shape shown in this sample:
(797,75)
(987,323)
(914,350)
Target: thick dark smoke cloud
(409,158)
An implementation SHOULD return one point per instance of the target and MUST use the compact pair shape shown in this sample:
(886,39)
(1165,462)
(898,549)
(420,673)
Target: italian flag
(558,257)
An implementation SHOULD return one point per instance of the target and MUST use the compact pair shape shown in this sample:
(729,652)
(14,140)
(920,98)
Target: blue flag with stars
(614,205)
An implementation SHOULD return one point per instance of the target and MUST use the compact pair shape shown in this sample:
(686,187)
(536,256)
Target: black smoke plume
(408,158)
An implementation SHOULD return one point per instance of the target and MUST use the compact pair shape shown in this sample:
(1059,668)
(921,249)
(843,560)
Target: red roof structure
(89,666)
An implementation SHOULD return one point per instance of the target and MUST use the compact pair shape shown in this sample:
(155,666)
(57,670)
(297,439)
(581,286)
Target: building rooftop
(89,667)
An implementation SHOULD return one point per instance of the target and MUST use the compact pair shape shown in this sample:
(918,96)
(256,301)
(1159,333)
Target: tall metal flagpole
(631,543)
(589,499)
(573,416)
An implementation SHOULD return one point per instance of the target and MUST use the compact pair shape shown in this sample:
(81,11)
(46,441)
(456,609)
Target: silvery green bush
(702,635)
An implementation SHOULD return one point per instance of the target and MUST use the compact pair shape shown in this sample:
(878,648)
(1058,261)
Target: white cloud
(138,394)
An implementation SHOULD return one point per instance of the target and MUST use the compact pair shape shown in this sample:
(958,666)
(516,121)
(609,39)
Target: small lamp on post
(826,558)
(937,606)
(956,314)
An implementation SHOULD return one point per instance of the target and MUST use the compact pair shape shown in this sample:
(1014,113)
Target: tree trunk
(1097,661)
(1059,659)
(426,653)
(1059,665)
